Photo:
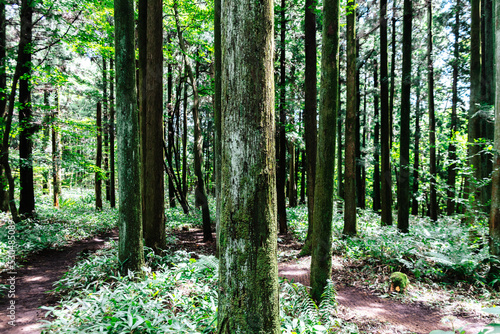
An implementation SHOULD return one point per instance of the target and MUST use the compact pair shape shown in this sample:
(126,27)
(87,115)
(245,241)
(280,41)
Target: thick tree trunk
(98,159)
(217,113)
(310,115)
(131,254)
(112,177)
(416,149)
(248,285)
(376,141)
(200,192)
(351,135)
(281,171)
(27,193)
(385,124)
(321,261)
(404,154)
(432,116)
(452,155)
(151,118)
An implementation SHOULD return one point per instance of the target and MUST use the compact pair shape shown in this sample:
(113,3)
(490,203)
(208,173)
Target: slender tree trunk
(248,304)
(130,246)
(321,261)
(184,142)
(376,139)
(351,135)
(105,128)
(340,174)
(474,192)
(170,129)
(404,154)
(310,115)
(4,195)
(281,171)
(217,112)
(98,159)
(151,118)
(452,155)
(198,139)
(385,124)
(432,116)
(112,176)
(26,181)
(416,149)
(302,176)
(292,187)
(393,72)
(494,223)
(56,154)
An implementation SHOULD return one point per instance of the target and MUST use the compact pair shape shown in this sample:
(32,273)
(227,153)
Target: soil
(35,279)
(368,310)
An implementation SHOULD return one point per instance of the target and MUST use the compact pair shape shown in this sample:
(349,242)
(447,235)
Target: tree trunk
(321,261)
(112,177)
(200,192)
(4,195)
(217,113)
(416,149)
(170,130)
(98,159)
(151,118)
(27,193)
(184,141)
(432,116)
(56,154)
(130,246)
(376,139)
(474,192)
(452,155)
(248,304)
(292,186)
(105,128)
(351,135)
(385,124)
(281,171)
(393,72)
(310,115)
(404,154)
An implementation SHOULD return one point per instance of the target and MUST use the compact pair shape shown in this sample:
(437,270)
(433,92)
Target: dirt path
(360,305)
(35,278)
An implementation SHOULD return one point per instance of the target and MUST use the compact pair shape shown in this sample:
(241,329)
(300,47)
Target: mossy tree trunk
(131,253)
(321,262)
(248,284)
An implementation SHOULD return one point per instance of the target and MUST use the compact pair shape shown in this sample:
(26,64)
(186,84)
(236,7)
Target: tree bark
(385,124)
(200,192)
(105,128)
(112,177)
(217,113)
(98,159)
(393,72)
(56,154)
(130,246)
(310,115)
(281,171)
(248,285)
(432,116)
(376,141)
(151,118)
(4,195)
(184,141)
(416,149)
(321,261)
(170,129)
(351,135)
(27,193)
(404,154)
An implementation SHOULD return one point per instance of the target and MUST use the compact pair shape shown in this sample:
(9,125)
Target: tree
(432,116)
(56,154)
(376,139)
(321,261)
(112,198)
(248,229)
(27,193)
(281,142)
(385,129)
(404,154)
(416,148)
(131,254)
(151,121)
(350,124)
(98,159)
(310,116)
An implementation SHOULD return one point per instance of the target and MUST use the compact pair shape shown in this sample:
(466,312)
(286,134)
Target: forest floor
(35,279)
(373,310)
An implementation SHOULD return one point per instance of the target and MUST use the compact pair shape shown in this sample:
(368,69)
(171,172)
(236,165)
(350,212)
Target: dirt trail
(361,305)
(36,277)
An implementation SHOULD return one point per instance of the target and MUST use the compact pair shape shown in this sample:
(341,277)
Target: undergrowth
(176,296)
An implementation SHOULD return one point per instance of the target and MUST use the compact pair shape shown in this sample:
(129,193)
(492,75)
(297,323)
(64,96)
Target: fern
(328,304)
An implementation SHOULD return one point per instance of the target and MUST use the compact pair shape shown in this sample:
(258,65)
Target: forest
(287,166)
